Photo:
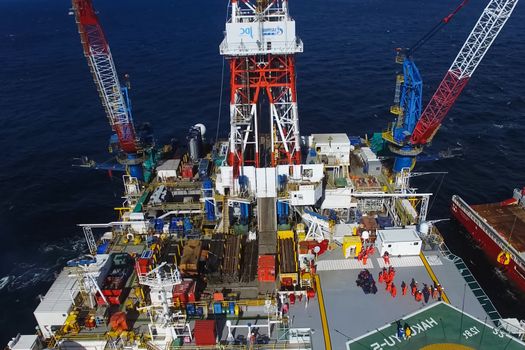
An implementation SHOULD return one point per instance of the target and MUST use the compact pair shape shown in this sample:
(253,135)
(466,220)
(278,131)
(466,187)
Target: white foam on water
(4,281)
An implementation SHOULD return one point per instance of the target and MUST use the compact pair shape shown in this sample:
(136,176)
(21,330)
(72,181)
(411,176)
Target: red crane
(474,49)
(98,55)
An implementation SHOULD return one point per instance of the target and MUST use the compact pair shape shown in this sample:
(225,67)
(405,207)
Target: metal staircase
(473,284)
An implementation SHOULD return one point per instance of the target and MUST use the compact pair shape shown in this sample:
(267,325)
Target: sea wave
(28,275)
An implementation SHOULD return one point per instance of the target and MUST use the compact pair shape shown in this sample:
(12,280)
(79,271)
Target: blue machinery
(402,136)
(407,108)
(283,211)
(414,129)
(245,213)
(209,201)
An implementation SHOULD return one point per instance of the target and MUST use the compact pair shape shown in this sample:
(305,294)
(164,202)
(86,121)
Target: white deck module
(168,170)
(84,345)
(57,303)
(25,342)
(398,242)
(335,145)
(372,163)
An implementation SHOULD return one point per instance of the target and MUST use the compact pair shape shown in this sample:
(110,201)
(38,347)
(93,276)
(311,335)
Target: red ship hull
(490,247)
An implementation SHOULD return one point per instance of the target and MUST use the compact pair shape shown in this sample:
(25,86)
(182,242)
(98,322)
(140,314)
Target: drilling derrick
(260,43)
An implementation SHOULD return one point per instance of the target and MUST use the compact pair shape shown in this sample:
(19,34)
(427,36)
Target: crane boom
(98,55)
(474,49)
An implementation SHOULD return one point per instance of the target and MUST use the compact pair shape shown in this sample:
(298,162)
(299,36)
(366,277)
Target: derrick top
(260,27)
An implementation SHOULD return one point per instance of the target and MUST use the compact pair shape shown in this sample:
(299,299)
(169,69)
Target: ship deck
(340,312)
(509,221)
(350,313)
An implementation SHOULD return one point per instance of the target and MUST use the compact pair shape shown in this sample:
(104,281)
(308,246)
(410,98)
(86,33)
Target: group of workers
(434,291)
(403,332)
(387,276)
(366,252)
(365,280)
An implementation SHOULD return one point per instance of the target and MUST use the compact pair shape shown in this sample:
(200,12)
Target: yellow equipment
(351,246)
(301,232)
(71,324)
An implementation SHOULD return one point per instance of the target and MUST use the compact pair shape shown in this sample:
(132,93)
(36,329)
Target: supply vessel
(498,229)
(273,239)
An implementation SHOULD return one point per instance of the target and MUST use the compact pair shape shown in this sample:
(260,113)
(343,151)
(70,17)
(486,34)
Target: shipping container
(266,271)
(56,304)
(187,171)
(184,293)
(144,262)
(398,242)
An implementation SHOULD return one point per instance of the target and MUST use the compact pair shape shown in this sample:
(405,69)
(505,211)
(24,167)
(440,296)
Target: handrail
(473,284)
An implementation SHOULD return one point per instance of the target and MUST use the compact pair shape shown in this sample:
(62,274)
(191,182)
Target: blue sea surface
(50,113)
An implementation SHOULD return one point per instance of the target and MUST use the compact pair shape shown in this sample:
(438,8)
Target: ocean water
(50,113)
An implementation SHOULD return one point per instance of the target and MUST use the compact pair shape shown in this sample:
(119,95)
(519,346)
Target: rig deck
(264,268)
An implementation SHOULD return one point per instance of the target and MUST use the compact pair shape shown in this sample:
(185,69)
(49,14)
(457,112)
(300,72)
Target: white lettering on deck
(416,329)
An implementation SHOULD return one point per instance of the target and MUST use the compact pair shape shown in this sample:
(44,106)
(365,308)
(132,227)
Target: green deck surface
(437,324)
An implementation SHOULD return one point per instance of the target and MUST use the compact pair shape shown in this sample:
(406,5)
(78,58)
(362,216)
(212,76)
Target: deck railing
(473,284)
(489,231)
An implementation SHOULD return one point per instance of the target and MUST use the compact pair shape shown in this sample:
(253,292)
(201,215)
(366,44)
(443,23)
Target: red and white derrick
(475,47)
(260,43)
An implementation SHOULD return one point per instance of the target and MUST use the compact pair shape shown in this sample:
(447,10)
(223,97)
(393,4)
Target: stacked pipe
(287,262)
(216,253)
(232,258)
(250,254)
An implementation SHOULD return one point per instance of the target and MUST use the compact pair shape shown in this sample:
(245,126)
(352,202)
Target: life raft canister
(504,258)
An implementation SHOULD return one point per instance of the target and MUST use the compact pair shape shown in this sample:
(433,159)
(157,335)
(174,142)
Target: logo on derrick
(273,31)
(248,31)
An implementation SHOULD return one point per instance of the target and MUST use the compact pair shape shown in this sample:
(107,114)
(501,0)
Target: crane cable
(445,20)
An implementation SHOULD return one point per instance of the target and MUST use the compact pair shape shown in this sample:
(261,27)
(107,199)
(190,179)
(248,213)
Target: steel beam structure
(260,42)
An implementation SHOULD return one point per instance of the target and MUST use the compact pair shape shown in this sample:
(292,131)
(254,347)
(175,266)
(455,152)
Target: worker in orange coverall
(413,285)
(393,291)
(403,288)
(386,258)
(391,273)
(388,286)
